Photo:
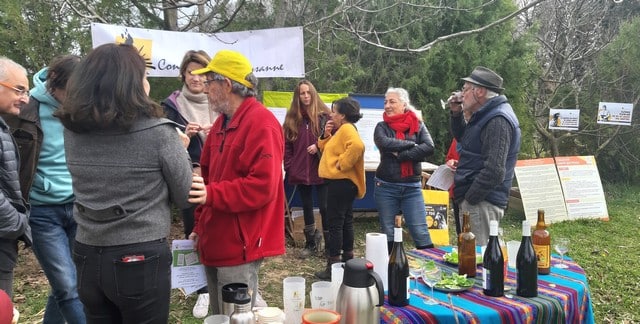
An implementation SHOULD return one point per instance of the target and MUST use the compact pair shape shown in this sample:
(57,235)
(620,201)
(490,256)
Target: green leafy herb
(455,281)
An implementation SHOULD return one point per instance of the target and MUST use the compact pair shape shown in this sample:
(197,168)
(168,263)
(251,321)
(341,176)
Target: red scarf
(402,123)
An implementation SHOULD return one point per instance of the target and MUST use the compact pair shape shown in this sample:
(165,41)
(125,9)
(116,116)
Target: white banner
(275,52)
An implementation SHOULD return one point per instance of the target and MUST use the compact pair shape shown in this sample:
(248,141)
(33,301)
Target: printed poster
(583,192)
(614,113)
(540,187)
(564,119)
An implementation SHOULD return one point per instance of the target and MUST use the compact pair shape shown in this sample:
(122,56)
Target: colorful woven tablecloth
(563,297)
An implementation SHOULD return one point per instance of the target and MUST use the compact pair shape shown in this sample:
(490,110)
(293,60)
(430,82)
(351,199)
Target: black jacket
(414,148)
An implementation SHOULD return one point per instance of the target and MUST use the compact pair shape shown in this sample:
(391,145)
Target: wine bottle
(398,271)
(493,264)
(542,244)
(526,265)
(466,249)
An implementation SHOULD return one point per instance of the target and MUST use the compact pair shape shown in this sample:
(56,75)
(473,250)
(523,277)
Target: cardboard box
(297,224)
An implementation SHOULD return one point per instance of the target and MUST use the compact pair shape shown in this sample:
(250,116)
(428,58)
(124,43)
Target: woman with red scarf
(404,142)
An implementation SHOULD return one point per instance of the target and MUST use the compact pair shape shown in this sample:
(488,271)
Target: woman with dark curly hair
(127,165)
(342,167)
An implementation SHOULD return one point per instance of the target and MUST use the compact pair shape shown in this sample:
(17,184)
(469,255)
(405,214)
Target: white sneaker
(260,302)
(201,308)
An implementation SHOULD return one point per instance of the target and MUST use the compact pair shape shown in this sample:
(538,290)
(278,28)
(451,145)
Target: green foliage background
(336,60)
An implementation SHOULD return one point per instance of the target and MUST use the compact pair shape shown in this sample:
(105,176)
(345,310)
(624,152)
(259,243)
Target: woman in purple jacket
(303,125)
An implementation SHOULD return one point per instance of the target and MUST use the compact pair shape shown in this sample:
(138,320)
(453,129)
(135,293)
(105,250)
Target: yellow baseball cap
(230,64)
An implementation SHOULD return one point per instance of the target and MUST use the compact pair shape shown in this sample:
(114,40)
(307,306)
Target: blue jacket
(473,161)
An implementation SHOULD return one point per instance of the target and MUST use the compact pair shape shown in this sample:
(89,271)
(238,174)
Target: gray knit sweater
(124,182)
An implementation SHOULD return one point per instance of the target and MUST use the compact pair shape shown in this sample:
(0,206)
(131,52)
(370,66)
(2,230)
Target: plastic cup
(337,272)
(322,295)
(217,319)
(293,295)
(512,251)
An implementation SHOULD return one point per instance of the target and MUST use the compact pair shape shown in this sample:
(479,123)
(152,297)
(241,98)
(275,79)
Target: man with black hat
(489,146)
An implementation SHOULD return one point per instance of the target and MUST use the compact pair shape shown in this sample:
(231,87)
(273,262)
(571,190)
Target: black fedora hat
(485,78)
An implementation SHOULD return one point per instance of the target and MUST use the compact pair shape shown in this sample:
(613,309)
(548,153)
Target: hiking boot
(326,273)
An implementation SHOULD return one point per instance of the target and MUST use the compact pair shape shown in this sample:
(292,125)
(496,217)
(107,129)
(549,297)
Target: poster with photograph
(615,113)
(564,119)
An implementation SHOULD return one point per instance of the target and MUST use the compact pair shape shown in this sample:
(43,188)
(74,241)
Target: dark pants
(114,291)
(340,197)
(8,257)
(306,195)
(188,222)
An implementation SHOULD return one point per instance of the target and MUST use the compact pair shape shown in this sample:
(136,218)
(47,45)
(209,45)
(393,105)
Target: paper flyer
(187,273)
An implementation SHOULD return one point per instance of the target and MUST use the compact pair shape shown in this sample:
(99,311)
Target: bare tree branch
(377,43)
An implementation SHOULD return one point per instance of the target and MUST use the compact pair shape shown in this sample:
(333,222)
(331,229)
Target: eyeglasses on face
(20,92)
(465,89)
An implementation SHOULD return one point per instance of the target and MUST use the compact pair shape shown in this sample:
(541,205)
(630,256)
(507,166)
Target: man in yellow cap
(241,217)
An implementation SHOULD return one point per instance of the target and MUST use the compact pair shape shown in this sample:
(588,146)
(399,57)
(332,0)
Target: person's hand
(452,164)
(192,129)
(455,102)
(312,149)
(198,192)
(194,237)
(183,137)
(328,128)
(206,129)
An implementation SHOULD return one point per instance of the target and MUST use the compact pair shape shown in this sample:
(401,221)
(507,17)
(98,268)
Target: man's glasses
(19,92)
(465,89)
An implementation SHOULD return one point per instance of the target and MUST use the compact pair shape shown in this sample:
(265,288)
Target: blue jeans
(116,291)
(391,199)
(54,230)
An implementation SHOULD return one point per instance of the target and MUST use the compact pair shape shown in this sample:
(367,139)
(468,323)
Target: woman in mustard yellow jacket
(342,167)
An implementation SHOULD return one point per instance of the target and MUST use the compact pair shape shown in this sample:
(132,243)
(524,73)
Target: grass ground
(608,251)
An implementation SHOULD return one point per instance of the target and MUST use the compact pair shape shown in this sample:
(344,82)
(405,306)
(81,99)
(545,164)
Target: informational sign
(540,188)
(564,119)
(567,188)
(277,52)
(583,193)
(436,205)
(615,113)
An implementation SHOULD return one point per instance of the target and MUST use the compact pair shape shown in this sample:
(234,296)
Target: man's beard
(220,104)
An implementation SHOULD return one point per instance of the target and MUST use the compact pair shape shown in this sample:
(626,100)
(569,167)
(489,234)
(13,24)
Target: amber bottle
(466,249)
(542,244)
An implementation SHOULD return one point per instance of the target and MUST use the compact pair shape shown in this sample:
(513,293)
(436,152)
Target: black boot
(347,255)
(326,273)
(312,237)
(325,234)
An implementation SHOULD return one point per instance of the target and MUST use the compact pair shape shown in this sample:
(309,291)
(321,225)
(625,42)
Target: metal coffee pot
(361,293)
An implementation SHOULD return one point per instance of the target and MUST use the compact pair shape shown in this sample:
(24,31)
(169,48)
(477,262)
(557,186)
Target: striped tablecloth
(563,297)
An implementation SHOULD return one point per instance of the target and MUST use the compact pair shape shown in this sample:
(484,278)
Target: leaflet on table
(187,273)
(442,178)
